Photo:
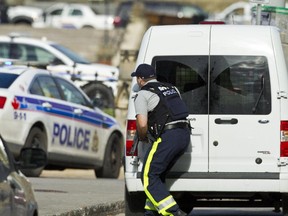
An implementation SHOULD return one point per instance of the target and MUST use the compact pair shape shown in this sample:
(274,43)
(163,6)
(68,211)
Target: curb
(103,209)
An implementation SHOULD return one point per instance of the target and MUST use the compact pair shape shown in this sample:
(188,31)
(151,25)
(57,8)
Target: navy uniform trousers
(159,159)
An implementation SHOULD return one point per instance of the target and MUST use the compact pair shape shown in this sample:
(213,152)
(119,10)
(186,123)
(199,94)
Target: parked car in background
(236,13)
(52,114)
(24,14)
(99,81)
(188,13)
(17,195)
(76,16)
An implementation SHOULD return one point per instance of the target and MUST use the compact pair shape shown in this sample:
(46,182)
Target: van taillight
(130,134)
(2,102)
(284,139)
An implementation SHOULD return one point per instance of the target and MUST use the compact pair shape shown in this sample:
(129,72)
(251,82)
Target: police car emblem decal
(15,103)
(95,142)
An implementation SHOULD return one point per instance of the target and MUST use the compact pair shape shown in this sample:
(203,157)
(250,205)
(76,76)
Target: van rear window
(219,85)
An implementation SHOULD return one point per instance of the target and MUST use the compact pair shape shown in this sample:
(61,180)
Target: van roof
(198,39)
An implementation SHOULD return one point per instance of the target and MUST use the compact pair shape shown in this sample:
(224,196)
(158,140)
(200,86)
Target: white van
(234,81)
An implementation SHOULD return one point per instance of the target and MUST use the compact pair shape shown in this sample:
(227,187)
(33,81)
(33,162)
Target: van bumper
(279,185)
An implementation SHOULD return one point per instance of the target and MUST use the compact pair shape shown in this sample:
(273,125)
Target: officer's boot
(151,213)
(180,213)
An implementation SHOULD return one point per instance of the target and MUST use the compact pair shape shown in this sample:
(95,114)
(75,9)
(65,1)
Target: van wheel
(112,159)
(285,204)
(36,139)
(134,203)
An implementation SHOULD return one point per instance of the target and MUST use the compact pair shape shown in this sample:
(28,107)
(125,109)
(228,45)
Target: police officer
(160,112)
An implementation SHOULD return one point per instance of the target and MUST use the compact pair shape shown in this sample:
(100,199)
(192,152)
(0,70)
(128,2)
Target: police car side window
(35,88)
(49,87)
(43,56)
(71,93)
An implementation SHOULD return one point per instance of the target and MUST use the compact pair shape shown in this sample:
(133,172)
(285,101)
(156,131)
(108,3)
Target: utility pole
(272,3)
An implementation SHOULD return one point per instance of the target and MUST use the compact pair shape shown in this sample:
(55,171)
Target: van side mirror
(32,158)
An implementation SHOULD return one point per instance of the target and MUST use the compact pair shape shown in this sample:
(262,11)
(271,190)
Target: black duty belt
(177,125)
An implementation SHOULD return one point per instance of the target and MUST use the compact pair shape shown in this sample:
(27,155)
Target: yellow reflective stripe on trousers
(166,203)
(149,205)
(146,170)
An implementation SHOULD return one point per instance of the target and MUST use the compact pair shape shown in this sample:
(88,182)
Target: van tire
(112,159)
(134,203)
(36,139)
(285,204)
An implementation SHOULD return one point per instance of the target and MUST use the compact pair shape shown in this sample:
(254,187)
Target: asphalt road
(77,193)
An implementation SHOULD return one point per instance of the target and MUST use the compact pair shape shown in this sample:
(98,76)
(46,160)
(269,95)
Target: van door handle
(226,121)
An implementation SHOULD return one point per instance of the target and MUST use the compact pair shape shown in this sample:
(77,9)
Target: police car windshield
(70,54)
(7,79)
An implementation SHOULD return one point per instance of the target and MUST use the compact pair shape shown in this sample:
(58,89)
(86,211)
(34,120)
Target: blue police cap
(144,71)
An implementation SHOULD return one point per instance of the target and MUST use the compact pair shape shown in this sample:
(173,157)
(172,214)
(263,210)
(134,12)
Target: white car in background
(236,13)
(41,110)
(21,14)
(74,16)
(99,81)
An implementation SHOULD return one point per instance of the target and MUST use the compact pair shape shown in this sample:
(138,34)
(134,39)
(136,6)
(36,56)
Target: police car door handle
(78,111)
(226,121)
(46,105)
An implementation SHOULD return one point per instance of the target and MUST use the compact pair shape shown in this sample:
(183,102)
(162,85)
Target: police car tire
(112,159)
(134,203)
(285,204)
(30,142)
(106,93)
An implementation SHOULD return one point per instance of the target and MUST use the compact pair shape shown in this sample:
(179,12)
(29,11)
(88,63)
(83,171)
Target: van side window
(234,84)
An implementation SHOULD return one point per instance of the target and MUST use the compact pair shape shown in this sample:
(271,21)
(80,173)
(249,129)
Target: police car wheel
(285,204)
(36,139)
(134,203)
(112,159)
(100,94)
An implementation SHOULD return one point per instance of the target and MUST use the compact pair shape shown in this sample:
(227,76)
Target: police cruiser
(42,110)
(99,81)
(234,81)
